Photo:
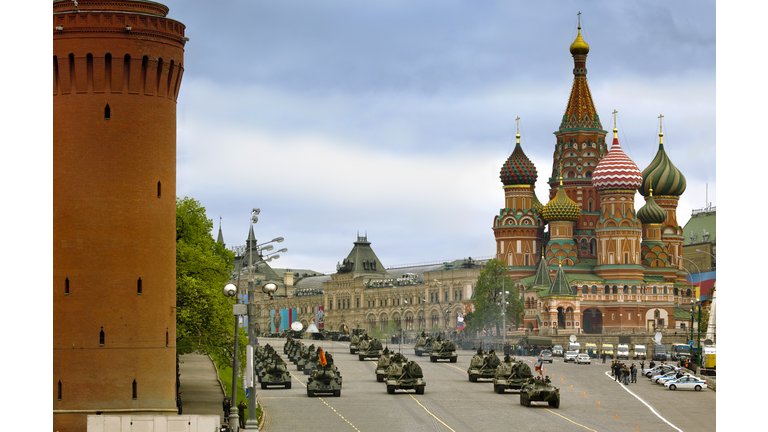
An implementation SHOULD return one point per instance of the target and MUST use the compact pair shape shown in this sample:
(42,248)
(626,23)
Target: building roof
(616,170)
(361,259)
(518,169)
(662,175)
(702,225)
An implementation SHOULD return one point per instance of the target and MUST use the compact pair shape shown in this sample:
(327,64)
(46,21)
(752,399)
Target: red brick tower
(117,67)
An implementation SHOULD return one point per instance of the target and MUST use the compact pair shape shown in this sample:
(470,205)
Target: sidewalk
(200,389)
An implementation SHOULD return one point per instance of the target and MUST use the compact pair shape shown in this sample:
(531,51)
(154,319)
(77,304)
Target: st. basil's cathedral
(601,266)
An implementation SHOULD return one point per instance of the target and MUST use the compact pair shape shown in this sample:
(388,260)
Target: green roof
(681,314)
(698,224)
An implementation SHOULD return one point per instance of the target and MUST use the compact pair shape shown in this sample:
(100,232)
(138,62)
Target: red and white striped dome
(616,170)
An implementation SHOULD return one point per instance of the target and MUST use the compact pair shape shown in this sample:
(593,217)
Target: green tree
(491,282)
(204,320)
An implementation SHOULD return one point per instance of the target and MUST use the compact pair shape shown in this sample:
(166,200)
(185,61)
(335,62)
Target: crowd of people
(622,373)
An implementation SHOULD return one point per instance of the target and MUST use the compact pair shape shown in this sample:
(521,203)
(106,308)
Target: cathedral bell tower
(580,146)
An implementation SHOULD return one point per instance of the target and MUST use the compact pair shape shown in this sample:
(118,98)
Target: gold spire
(579,47)
(615,131)
(661,134)
(518,129)
(561,173)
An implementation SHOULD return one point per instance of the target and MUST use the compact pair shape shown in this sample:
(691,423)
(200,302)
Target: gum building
(117,68)
(600,265)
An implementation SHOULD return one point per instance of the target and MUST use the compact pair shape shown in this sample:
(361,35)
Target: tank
(304,357)
(325,378)
(442,350)
(423,344)
(275,373)
(483,365)
(511,375)
(369,348)
(383,364)
(354,339)
(313,358)
(405,375)
(539,390)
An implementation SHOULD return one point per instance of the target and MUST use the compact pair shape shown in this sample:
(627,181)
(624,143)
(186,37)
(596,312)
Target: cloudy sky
(394,117)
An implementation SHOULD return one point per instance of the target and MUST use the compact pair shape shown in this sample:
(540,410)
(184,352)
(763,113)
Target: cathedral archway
(592,321)
(560,317)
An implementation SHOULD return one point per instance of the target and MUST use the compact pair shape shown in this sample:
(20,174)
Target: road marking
(321,400)
(337,413)
(428,412)
(566,418)
(645,403)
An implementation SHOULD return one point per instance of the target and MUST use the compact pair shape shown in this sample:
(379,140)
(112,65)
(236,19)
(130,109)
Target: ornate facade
(601,265)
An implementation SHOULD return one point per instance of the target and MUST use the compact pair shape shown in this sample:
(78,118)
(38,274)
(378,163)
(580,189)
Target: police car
(686,383)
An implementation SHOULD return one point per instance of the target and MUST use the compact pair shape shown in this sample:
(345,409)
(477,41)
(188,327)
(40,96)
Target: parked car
(546,356)
(669,376)
(583,359)
(670,372)
(657,370)
(570,356)
(557,350)
(686,383)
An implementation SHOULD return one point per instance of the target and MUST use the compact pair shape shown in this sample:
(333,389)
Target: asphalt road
(590,400)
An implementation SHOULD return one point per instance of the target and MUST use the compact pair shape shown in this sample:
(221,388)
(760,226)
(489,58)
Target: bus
(680,351)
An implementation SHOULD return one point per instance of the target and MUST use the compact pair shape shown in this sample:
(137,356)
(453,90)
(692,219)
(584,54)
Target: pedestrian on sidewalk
(633,371)
(241,407)
(227,405)
(178,402)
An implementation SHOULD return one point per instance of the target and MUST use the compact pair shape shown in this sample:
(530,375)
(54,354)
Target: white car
(686,383)
(570,356)
(583,359)
(657,370)
(671,376)
(655,377)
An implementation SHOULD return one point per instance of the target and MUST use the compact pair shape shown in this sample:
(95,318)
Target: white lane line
(645,403)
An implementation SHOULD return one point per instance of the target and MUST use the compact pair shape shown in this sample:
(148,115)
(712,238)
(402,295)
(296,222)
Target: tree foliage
(204,320)
(491,282)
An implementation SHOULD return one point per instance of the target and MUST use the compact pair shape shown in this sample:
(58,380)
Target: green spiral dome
(537,205)
(651,213)
(663,175)
(561,208)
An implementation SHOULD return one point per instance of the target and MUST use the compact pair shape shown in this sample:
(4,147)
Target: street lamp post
(402,318)
(231,291)
(698,304)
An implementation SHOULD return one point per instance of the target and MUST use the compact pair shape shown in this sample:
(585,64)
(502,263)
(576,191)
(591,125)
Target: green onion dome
(561,208)
(651,213)
(518,169)
(662,174)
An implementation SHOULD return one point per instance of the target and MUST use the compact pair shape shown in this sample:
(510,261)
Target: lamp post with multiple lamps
(698,306)
(249,309)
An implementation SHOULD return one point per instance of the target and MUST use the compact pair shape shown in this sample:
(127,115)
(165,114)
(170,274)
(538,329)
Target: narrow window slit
(101,337)
(107,112)
(138,287)
(59,390)
(135,392)
(66,286)
(158,189)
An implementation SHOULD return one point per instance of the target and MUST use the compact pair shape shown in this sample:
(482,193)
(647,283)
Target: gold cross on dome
(614,118)
(661,117)
(518,124)
(579,14)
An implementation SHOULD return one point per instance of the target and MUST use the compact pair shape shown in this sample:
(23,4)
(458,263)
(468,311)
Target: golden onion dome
(579,46)
(561,208)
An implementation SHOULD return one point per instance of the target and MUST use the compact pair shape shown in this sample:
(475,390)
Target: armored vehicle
(369,348)
(276,373)
(305,356)
(511,375)
(314,356)
(423,344)
(326,378)
(483,365)
(539,390)
(382,365)
(443,350)
(405,376)
(354,340)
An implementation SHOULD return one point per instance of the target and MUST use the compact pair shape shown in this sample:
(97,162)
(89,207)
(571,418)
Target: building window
(138,287)
(106,112)
(58,392)
(66,286)
(446,296)
(358,303)
(158,189)
(101,337)
(166,337)
(135,390)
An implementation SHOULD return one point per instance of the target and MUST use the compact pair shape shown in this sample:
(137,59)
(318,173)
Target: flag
(538,365)
(322,358)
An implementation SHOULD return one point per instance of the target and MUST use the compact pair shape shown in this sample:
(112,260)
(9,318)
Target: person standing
(241,407)
(625,371)
(226,405)
(603,356)
(178,402)
(633,371)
